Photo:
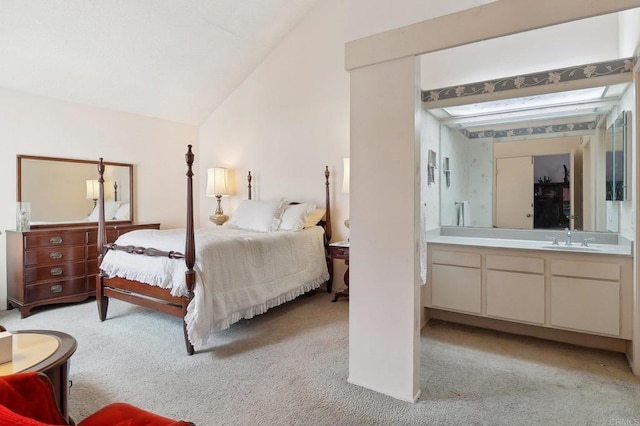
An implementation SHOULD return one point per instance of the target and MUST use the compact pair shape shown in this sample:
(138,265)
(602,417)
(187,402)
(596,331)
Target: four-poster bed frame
(157,298)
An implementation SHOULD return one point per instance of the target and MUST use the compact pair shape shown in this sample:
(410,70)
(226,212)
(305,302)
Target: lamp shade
(346,177)
(218,182)
(92,189)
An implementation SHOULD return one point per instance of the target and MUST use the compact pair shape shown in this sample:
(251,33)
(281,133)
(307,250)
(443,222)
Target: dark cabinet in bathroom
(551,205)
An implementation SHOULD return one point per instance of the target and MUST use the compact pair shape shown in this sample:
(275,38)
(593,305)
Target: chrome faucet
(568,243)
(585,242)
(554,240)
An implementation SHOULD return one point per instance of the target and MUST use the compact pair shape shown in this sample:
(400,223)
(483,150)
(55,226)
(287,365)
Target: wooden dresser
(55,265)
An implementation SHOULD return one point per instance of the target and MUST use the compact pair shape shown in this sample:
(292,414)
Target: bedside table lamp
(218,186)
(346,181)
(92,191)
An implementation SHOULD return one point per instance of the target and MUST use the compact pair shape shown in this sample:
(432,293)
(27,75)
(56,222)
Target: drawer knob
(55,240)
(56,271)
(56,288)
(55,255)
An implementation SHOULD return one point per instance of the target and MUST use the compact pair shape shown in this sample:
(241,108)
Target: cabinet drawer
(515,263)
(37,240)
(53,255)
(54,271)
(53,289)
(471,260)
(593,270)
(92,266)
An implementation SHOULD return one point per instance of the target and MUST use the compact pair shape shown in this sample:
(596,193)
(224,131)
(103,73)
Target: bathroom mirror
(569,193)
(61,192)
(618,160)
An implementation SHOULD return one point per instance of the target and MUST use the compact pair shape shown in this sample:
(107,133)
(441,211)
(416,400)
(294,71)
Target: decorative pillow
(110,209)
(254,215)
(294,216)
(314,217)
(123,212)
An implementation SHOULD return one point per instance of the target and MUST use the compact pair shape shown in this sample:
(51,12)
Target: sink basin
(571,248)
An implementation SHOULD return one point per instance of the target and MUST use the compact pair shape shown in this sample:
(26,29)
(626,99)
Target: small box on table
(6,347)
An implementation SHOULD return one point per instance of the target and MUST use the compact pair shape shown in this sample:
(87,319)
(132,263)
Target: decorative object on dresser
(218,185)
(244,267)
(54,265)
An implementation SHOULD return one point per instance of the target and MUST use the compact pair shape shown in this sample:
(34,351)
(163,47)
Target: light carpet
(289,366)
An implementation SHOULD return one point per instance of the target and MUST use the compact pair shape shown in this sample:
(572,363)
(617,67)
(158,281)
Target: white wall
(34,125)
(288,120)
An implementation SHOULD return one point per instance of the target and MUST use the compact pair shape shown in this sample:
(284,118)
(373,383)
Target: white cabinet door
(515,296)
(586,305)
(457,288)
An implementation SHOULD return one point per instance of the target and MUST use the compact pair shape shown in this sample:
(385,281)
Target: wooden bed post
(103,302)
(327,228)
(190,249)
(249,177)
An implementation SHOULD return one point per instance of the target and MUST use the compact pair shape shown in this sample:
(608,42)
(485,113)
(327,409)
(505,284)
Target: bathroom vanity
(541,287)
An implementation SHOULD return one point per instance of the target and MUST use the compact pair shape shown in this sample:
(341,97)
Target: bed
(225,273)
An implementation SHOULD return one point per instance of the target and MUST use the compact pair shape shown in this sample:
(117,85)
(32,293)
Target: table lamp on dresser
(218,186)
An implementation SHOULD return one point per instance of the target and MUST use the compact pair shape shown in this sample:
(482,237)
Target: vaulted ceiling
(176,60)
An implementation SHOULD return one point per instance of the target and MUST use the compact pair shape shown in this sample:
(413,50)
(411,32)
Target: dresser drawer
(53,289)
(35,240)
(54,255)
(54,271)
(92,236)
(92,266)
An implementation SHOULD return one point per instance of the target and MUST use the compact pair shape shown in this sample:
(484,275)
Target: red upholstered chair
(26,399)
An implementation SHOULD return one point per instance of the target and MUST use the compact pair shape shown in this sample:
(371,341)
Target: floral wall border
(531,130)
(579,72)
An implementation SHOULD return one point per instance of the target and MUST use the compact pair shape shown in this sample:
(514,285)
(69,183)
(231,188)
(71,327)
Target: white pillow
(123,212)
(294,215)
(254,215)
(110,209)
(314,217)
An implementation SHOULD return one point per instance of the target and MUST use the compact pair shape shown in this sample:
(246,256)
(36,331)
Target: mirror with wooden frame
(62,191)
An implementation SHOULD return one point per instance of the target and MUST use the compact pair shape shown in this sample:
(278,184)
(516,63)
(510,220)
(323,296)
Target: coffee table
(47,352)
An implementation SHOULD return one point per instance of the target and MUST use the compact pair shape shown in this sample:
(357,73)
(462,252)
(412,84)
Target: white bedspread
(240,274)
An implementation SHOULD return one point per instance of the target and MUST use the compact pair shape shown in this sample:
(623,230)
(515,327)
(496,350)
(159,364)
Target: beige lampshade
(346,177)
(218,182)
(93,189)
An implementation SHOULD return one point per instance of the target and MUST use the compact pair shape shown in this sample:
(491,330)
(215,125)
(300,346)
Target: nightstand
(340,250)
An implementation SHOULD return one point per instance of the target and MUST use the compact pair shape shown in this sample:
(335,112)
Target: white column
(384,305)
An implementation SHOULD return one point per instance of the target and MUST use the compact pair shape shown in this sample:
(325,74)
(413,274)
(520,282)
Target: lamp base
(219,219)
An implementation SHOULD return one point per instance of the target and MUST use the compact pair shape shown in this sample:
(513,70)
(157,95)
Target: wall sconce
(446,171)
(218,186)
(93,189)
(346,181)
(431,167)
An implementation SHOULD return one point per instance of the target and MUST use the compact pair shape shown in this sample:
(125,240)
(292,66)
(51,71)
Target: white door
(514,192)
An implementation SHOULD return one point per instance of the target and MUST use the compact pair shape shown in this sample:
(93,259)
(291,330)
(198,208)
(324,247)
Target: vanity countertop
(602,249)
